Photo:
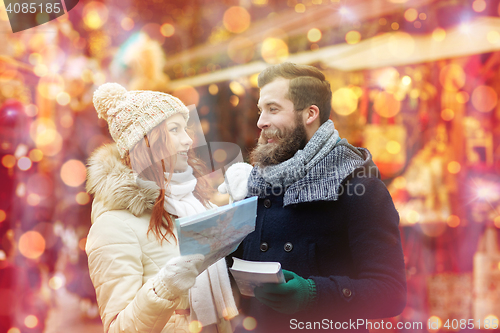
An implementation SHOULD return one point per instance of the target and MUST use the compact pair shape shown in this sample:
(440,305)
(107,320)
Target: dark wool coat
(349,247)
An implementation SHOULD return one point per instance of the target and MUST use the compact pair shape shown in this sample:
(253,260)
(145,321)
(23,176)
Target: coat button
(264,247)
(288,247)
(267,203)
(347,292)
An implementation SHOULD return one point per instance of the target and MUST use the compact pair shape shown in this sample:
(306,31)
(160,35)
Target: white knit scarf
(214,281)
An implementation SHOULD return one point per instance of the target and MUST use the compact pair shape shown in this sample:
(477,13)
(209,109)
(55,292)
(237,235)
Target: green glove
(295,295)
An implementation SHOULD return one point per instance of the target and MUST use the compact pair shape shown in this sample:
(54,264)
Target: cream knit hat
(132,114)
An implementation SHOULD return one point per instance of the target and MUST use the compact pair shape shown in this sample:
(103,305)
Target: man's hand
(294,295)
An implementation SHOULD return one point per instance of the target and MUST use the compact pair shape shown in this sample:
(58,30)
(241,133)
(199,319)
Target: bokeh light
(82,198)
(187,94)
(220,155)
(236,19)
(393,147)
(454,167)
(167,30)
(406,80)
(453,221)
(314,35)
(479,5)
(127,23)
(13,330)
(57,282)
(344,101)
(95,15)
(412,217)
(447,114)
(496,221)
(33,199)
(352,37)
(213,89)
(300,8)
(31,244)
(484,98)
(249,323)
(274,50)
(31,321)
(3,215)
(73,173)
(452,77)
(386,104)
(36,155)
(195,326)
(24,163)
(411,14)
(9,161)
(237,88)
(439,34)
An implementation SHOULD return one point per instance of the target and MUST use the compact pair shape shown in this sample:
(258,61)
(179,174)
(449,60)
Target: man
(323,213)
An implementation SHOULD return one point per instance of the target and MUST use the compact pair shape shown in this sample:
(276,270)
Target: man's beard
(285,144)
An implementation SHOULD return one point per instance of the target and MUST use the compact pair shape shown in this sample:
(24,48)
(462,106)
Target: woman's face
(176,127)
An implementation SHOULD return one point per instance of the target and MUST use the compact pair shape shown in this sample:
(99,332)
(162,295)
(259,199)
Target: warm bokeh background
(415,81)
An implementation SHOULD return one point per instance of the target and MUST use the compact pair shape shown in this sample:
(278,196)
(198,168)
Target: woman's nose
(186,140)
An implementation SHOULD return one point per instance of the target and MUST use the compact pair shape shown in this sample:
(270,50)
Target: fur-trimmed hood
(115,186)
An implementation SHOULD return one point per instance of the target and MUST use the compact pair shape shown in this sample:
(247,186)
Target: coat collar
(115,186)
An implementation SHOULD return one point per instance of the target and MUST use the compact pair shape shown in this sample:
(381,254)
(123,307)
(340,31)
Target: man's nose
(263,121)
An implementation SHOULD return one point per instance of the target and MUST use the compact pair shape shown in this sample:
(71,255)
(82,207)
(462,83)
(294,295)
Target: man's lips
(270,140)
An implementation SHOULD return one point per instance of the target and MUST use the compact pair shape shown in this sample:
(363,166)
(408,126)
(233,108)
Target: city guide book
(217,232)
(250,274)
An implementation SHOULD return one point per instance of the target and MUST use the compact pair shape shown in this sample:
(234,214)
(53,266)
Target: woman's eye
(173,129)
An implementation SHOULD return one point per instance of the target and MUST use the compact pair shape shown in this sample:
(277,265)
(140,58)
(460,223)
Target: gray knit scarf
(288,172)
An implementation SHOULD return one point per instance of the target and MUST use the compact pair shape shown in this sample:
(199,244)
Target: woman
(142,283)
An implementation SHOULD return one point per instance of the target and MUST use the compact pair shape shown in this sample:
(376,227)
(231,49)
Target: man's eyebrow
(269,104)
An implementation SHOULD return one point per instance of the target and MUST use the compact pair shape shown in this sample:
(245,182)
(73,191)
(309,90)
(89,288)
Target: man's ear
(311,114)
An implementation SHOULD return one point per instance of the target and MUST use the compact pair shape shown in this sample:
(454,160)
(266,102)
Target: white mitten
(179,275)
(236,180)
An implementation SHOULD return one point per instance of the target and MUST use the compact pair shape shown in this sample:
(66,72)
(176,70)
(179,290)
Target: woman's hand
(179,274)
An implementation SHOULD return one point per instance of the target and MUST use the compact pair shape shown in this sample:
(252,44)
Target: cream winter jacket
(123,259)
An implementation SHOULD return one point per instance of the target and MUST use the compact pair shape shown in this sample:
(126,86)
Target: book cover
(250,274)
(217,232)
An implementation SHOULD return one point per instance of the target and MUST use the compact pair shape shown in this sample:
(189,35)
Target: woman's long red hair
(147,158)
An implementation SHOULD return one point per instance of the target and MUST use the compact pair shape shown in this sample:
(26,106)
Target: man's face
(283,131)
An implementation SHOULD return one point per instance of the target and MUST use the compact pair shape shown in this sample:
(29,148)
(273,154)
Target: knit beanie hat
(133,114)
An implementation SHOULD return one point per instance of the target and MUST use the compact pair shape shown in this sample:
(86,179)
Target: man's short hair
(308,86)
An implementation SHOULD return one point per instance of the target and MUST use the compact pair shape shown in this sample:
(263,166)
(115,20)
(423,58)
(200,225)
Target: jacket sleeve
(125,304)
(377,289)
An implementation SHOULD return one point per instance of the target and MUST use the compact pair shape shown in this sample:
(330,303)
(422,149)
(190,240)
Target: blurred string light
(82,198)
(406,80)
(187,94)
(213,89)
(195,326)
(3,215)
(300,8)
(24,163)
(31,321)
(465,28)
